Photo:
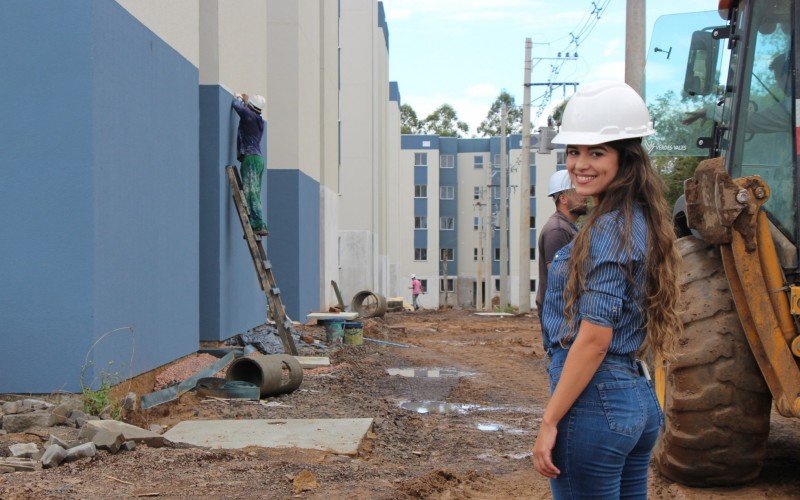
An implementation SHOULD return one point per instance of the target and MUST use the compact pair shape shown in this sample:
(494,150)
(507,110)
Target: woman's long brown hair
(636,182)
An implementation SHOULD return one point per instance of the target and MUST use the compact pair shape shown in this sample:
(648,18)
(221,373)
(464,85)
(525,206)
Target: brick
(21,422)
(23,450)
(59,414)
(129,446)
(108,440)
(80,451)
(53,456)
(11,408)
(130,432)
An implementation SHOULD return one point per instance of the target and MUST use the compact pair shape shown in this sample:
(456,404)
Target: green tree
(409,123)
(490,127)
(558,112)
(675,170)
(443,121)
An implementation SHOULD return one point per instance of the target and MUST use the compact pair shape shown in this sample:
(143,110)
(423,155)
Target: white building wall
(329,137)
(392,197)
(364,96)
(175,22)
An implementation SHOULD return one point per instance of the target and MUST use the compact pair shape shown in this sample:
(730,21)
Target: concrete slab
(129,432)
(338,435)
(341,315)
(308,362)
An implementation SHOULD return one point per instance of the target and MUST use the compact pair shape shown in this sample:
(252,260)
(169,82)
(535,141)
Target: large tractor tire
(717,403)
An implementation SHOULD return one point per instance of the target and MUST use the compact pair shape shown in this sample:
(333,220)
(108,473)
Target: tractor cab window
(685,78)
(762,128)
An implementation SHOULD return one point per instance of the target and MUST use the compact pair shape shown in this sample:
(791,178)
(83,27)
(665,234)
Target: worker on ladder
(248,152)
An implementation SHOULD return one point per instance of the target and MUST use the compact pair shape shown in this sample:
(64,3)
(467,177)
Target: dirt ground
(478,448)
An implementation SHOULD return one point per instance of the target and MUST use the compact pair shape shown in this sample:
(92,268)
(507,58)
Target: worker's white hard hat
(413,276)
(257,102)
(602,112)
(559,182)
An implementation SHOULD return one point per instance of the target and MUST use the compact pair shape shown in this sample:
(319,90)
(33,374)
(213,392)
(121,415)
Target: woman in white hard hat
(611,294)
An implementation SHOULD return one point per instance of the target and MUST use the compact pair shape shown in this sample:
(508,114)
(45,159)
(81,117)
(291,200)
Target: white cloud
(612,47)
(482,90)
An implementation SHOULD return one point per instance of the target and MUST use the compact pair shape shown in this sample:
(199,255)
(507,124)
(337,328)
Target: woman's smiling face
(592,168)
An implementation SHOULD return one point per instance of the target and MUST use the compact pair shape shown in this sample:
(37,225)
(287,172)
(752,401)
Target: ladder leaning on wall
(263,266)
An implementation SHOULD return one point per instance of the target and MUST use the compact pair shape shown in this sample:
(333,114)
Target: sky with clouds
(464,52)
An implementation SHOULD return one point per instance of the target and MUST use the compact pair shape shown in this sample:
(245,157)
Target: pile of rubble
(95,434)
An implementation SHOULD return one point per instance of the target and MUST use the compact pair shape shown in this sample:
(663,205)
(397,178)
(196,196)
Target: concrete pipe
(369,304)
(274,374)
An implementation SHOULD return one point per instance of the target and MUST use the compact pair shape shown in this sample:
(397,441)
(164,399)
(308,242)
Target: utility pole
(503,209)
(634,44)
(488,235)
(524,190)
(479,260)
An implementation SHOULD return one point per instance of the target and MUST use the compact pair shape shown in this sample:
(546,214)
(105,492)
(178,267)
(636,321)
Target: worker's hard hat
(559,182)
(413,276)
(257,102)
(602,112)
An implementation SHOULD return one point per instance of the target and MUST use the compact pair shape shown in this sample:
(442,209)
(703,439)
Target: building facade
(129,251)
(448,216)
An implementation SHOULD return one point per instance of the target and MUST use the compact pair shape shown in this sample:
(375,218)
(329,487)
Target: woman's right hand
(543,451)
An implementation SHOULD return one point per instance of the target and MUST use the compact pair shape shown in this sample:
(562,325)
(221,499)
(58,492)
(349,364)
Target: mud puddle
(429,372)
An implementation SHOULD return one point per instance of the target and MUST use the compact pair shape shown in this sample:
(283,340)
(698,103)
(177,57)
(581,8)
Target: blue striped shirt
(611,299)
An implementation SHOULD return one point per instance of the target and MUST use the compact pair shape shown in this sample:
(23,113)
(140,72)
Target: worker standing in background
(416,289)
(248,152)
(560,228)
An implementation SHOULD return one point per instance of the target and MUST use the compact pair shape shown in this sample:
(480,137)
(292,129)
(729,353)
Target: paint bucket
(353,333)
(334,332)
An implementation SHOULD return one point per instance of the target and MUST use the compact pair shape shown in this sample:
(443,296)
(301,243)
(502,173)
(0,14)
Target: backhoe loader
(733,98)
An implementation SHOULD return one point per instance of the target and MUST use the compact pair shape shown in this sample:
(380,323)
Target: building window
(476,193)
(475,254)
(420,159)
(447,161)
(496,285)
(533,221)
(561,157)
(421,191)
(497,253)
(496,161)
(496,192)
(420,254)
(475,223)
(533,285)
(533,190)
(424,284)
(420,222)
(446,192)
(533,253)
(477,161)
(450,285)
(447,223)
(446,254)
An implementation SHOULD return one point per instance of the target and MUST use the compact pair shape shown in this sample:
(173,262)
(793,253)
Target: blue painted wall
(231,300)
(449,177)
(394,92)
(99,196)
(293,246)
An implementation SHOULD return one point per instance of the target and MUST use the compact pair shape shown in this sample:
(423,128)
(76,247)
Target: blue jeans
(605,440)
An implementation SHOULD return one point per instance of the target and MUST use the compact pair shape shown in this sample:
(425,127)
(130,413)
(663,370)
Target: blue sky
(464,52)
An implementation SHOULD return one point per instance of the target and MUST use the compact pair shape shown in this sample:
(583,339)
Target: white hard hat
(602,112)
(559,182)
(257,102)
(413,276)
